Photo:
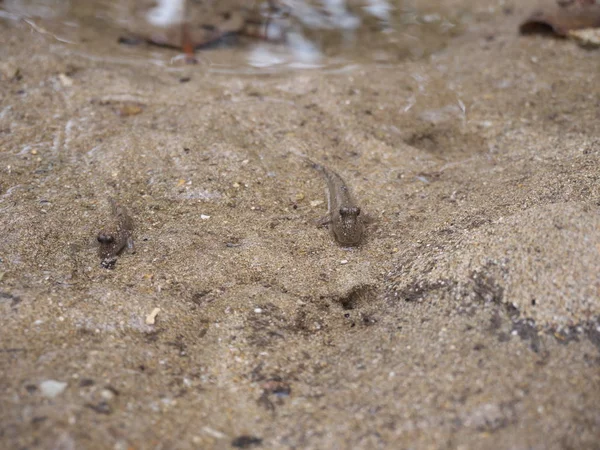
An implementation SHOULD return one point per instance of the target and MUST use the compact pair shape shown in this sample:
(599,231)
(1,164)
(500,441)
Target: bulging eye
(105,238)
(349,211)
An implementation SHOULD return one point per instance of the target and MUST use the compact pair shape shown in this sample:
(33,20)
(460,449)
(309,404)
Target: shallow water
(330,35)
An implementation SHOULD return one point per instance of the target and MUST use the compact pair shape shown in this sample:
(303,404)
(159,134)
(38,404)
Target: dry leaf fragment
(562,16)
(588,37)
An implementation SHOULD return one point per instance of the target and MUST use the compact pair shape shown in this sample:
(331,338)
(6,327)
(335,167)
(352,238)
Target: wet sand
(469,318)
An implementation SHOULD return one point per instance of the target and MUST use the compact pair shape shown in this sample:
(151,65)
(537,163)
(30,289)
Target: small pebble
(344,261)
(316,203)
(9,71)
(107,394)
(129,110)
(204,217)
(52,388)
(65,80)
(257,310)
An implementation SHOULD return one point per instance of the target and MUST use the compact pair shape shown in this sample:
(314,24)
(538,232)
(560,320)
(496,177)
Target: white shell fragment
(151,318)
(52,388)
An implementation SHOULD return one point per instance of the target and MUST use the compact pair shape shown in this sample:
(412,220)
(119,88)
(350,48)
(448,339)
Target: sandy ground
(469,317)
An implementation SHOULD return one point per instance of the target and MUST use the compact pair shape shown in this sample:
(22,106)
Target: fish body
(343,216)
(116,236)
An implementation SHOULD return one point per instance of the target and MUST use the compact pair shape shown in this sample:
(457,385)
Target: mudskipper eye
(105,238)
(349,211)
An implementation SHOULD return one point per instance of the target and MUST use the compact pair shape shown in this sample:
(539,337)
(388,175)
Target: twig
(41,30)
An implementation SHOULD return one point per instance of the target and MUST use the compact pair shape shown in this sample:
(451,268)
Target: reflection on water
(298,52)
(276,34)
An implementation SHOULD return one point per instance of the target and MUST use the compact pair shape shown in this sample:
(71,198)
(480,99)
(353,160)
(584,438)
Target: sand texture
(468,318)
